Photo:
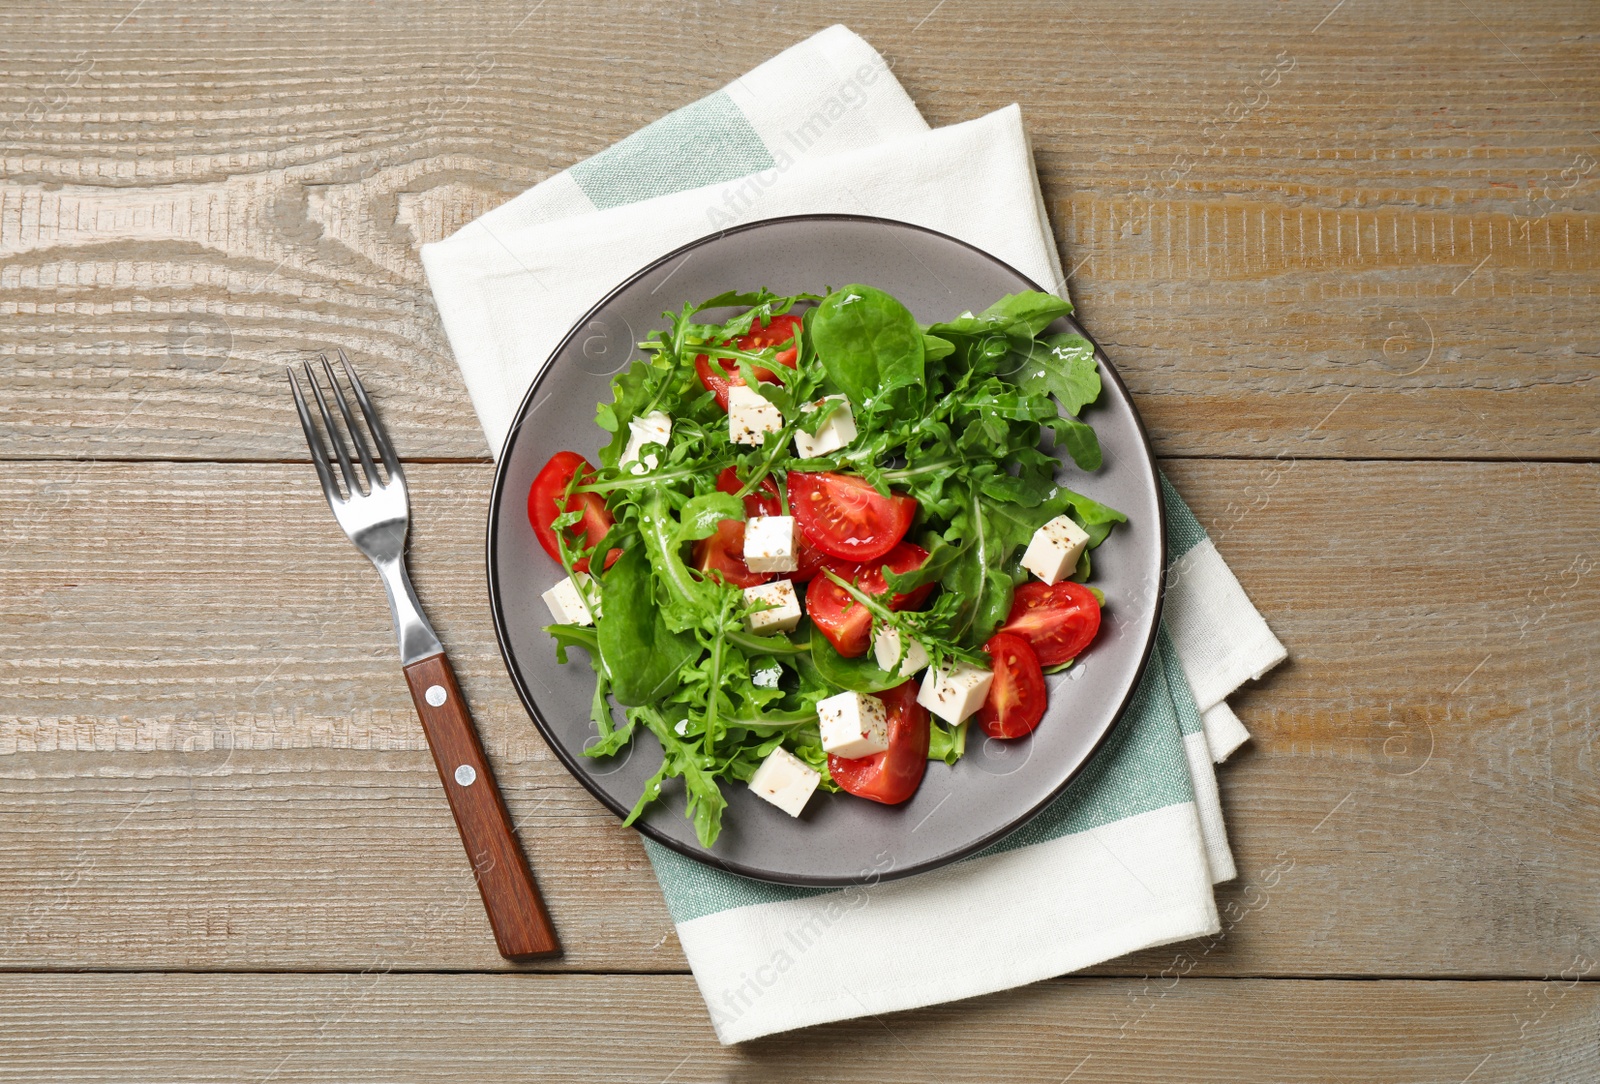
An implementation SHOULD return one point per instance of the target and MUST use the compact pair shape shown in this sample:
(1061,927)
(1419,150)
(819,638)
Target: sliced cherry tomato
(544,505)
(1058,620)
(774,332)
(722,555)
(1017,696)
(843,516)
(845,622)
(893,775)
(763,502)
(722,374)
(810,559)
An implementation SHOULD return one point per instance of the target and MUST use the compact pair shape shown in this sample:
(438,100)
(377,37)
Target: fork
(376,519)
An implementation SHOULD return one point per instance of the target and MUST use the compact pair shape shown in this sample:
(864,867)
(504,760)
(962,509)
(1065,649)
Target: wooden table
(1345,255)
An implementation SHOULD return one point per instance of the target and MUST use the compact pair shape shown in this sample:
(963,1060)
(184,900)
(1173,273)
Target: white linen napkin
(1126,858)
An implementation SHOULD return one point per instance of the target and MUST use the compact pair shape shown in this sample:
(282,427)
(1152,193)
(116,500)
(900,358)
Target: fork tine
(379,437)
(319,457)
(350,424)
(333,435)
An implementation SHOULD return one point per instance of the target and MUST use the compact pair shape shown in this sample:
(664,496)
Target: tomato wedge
(893,775)
(846,623)
(843,516)
(763,502)
(810,559)
(1018,695)
(722,556)
(544,505)
(722,374)
(1058,620)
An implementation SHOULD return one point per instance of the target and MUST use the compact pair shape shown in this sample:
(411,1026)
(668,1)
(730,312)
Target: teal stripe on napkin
(1184,532)
(1183,702)
(1141,768)
(703,143)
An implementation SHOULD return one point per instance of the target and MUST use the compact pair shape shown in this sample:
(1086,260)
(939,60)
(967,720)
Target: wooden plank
(1373,235)
(193,1028)
(210,758)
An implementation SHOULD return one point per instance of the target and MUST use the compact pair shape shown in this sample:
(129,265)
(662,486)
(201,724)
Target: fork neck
(416,637)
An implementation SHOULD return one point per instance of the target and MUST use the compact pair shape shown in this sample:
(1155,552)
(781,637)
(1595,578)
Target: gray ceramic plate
(998,785)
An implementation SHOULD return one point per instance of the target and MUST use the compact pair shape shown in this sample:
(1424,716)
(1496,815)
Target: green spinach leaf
(861,675)
(642,656)
(867,342)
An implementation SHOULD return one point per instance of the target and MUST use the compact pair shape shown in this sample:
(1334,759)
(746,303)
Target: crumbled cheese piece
(566,601)
(785,780)
(835,433)
(785,612)
(1054,551)
(956,693)
(652,428)
(750,417)
(767,678)
(886,648)
(853,725)
(769,544)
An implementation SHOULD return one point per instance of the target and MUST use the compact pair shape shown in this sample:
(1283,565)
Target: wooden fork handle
(522,928)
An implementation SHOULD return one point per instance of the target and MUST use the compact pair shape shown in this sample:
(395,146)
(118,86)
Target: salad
(825,540)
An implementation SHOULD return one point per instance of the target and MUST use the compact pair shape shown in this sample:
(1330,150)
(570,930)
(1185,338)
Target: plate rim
(572,764)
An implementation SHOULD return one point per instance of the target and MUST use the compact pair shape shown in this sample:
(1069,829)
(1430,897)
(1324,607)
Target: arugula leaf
(977,551)
(641,655)
(635,391)
(585,636)
(1079,439)
(704,799)
(1095,518)
(868,342)
(687,600)
(1063,366)
(978,578)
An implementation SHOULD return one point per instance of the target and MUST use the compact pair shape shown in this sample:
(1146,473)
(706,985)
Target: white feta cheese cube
(566,601)
(956,693)
(652,428)
(785,780)
(853,725)
(750,417)
(769,544)
(785,612)
(1054,550)
(886,648)
(835,433)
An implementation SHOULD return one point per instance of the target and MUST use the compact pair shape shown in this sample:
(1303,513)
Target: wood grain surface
(1345,254)
(1266,216)
(385,1027)
(190,686)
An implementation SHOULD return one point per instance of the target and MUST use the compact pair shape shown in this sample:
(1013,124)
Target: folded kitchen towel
(1126,857)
